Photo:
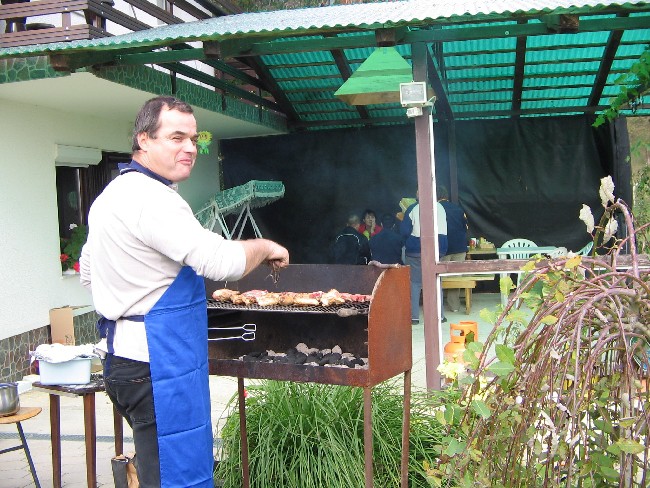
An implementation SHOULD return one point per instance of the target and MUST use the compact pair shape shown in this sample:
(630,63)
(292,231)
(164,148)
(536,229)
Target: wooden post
(428,224)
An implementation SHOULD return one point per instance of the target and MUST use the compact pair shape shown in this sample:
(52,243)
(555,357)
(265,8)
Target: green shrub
(305,435)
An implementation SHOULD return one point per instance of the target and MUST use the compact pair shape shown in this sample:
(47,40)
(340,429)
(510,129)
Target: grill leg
(242,434)
(28,454)
(367,434)
(406,422)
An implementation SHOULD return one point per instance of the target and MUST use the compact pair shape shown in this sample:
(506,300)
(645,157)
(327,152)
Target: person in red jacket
(369,227)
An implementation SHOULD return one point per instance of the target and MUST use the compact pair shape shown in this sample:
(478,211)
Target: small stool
(23,414)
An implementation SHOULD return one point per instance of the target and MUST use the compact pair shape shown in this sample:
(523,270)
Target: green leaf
(610,473)
(440,417)
(501,368)
(449,414)
(470,358)
(573,262)
(529,266)
(630,446)
(475,346)
(504,353)
(549,320)
(455,447)
(518,316)
(505,285)
(488,315)
(480,408)
(614,449)
(627,423)
(601,459)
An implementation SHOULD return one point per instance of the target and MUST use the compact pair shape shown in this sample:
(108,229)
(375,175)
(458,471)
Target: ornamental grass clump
(567,403)
(306,435)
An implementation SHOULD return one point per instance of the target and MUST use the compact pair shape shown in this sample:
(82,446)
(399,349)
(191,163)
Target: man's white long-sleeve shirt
(141,234)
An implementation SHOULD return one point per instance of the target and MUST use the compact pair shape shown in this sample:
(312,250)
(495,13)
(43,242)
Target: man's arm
(260,251)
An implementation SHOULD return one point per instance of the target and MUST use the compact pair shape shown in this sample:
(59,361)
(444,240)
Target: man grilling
(145,258)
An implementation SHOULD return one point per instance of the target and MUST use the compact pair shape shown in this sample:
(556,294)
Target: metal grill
(352,308)
(379,330)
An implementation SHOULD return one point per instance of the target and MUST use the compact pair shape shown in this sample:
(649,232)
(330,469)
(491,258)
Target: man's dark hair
(388,221)
(148,118)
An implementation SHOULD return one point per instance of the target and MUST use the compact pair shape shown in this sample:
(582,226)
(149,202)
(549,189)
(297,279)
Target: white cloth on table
(60,353)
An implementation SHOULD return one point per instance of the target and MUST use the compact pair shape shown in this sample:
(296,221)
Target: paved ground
(14,470)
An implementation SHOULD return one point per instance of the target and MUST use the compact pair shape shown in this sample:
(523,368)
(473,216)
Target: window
(77,188)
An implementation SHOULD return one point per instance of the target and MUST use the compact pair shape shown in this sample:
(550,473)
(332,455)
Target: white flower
(610,229)
(73,226)
(451,370)
(606,190)
(587,217)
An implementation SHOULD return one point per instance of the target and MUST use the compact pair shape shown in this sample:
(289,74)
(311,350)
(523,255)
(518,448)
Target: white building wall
(31,282)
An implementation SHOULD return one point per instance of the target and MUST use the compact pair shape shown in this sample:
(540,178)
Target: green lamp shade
(377,79)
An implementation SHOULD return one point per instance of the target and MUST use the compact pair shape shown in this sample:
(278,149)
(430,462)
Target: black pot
(9,401)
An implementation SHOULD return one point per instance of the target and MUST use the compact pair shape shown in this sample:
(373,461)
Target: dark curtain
(528,178)
(525,178)
(94,179)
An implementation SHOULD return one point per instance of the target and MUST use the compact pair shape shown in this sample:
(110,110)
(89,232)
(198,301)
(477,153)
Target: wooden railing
(81,19)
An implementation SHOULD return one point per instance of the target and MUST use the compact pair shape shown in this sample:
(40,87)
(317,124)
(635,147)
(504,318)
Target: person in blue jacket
(144,262)
(386,246)
(410,230)
(456,239)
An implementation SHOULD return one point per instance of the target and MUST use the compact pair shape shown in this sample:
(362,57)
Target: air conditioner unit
(76,156)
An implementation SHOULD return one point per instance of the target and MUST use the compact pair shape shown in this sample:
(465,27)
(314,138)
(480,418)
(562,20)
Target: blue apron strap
(106,328)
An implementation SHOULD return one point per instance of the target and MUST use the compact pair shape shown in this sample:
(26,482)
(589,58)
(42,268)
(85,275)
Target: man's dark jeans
(128,385)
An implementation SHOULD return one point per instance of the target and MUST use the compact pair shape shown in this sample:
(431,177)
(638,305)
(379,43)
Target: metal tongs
(247,332)
(275,272)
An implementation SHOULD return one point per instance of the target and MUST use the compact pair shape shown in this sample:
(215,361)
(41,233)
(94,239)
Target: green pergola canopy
(489,59)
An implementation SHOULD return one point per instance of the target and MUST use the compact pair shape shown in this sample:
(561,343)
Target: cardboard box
(61,325)
(73,372)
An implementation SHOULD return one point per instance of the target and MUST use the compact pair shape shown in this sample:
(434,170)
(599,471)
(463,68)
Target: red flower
(75,266)
(64,258)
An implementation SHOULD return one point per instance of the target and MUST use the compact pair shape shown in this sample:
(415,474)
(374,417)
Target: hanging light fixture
(377,80)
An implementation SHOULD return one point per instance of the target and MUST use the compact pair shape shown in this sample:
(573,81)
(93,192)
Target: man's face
(172,152)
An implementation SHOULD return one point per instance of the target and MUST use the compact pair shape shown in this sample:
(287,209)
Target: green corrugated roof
(492,58)
(303,21)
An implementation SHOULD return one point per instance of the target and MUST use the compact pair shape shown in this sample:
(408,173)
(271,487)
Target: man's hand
(260,251)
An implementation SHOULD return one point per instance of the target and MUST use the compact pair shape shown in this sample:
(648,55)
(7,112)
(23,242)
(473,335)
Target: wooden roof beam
(613,42)
(520,63)
(215,50)
(437,78)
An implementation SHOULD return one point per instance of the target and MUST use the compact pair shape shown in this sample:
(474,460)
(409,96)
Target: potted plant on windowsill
(71,248)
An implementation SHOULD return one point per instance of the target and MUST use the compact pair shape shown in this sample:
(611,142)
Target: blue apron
(177,335)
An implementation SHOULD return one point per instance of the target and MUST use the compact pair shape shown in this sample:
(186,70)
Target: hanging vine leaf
(632,85)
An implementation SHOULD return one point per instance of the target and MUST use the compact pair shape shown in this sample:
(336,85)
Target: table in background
(87,392)
(477,251)
(466,282)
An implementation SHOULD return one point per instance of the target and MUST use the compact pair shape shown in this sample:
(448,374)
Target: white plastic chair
(585,251)
(516,255)
(518,243)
